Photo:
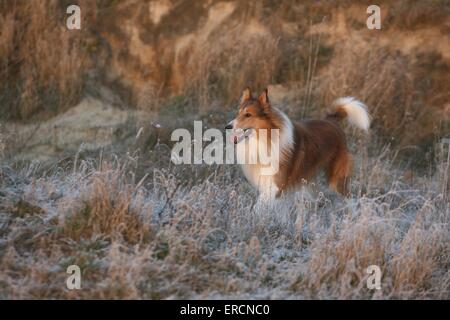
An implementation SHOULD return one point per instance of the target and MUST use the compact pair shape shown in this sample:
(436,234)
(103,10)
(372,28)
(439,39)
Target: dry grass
(165,236)
(414,14)
(142,228)
(390,84)
(43,62)
(47,68)
(2,143)
(233,61)
(384,86)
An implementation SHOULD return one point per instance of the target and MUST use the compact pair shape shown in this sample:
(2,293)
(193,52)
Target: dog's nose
(228,126)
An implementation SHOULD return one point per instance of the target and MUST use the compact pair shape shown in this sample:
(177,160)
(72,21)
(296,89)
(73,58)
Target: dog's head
(253,114)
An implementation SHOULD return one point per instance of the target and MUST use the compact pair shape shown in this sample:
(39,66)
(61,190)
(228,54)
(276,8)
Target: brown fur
(317,145)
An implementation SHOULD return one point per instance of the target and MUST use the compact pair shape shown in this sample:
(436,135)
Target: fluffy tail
(355,111)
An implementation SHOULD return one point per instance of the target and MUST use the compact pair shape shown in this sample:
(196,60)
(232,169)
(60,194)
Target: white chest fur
(255,172)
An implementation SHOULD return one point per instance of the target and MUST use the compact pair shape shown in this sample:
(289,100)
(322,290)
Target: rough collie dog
(305,147)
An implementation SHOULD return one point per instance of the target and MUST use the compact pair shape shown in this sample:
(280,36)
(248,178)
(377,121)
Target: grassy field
(140,227)
(143,228)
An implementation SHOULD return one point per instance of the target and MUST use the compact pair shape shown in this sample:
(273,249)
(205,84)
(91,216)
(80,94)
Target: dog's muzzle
(240,134)
(237,134)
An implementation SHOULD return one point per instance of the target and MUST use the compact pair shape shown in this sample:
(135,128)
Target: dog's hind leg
(338,173)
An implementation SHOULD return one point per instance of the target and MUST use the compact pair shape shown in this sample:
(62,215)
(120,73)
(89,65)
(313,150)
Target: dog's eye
(247,115)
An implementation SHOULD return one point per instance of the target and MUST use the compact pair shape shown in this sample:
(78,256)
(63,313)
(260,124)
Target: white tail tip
(356,111)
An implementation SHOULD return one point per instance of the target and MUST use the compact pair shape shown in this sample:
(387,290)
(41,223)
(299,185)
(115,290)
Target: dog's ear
(264,99)
(246,95)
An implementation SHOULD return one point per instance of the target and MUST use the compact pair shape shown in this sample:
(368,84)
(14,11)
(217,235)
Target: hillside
(158,56)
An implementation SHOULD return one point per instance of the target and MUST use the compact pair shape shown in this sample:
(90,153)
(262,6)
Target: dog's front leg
(279,193)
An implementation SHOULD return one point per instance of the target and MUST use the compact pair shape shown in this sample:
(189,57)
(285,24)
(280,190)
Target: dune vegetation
(86,177)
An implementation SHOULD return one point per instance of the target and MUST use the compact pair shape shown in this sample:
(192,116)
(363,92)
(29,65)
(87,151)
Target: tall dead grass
(43,62)
(46,66)
(414,15)
(2,143)
(163,236)
(234,60)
